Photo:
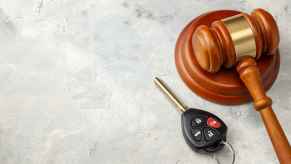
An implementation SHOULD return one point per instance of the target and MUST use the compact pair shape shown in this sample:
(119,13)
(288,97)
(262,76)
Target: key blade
(167,91)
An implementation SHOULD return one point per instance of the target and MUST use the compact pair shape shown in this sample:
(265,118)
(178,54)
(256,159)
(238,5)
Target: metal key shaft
(170,94)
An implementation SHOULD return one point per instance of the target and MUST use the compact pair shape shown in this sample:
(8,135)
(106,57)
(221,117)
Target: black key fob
(203,130)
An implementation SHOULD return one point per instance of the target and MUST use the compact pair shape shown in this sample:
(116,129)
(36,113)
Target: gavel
(239,41)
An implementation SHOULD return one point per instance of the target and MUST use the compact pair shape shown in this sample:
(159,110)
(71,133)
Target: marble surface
(76,83)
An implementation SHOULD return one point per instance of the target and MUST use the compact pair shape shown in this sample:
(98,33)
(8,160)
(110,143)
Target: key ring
(230,147)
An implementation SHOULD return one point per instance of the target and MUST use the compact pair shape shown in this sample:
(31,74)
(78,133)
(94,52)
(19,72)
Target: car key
(203,131)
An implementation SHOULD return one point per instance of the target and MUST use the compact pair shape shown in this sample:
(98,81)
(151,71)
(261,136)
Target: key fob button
(198,121)
(213,123)
(197,134)
(210,134)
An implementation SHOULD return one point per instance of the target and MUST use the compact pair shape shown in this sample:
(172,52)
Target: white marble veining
(76,83)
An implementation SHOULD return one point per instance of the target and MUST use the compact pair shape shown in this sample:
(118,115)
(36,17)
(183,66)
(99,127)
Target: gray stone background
(76,83)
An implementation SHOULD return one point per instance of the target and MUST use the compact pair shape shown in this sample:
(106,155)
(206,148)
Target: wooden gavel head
(229,40)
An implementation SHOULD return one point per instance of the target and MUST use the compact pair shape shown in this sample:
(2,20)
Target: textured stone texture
(76,83)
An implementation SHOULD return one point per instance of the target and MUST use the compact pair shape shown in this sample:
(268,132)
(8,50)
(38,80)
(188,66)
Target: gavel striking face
(239,41)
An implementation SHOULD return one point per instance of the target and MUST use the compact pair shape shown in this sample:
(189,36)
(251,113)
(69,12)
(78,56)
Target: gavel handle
(250,75)
(277,136)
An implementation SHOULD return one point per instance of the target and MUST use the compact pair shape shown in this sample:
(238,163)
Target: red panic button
(213,123)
